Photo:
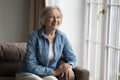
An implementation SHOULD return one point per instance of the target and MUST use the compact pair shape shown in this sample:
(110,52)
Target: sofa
(11,56)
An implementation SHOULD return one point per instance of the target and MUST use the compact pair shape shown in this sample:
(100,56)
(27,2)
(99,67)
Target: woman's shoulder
(59,32)
(34,33)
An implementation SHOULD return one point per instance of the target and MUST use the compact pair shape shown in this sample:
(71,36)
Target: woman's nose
(55,18)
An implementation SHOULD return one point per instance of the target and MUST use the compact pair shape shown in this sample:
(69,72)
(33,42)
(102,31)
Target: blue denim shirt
(36,59)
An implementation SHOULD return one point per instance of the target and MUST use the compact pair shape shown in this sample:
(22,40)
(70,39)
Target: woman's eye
(58,17)
(51,16)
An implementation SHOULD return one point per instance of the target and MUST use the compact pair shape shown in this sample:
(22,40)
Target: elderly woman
(44,49)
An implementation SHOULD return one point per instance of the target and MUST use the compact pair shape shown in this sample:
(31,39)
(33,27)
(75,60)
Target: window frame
(104,75)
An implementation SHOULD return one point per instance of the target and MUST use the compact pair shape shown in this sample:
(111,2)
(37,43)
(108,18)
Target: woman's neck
(50,32)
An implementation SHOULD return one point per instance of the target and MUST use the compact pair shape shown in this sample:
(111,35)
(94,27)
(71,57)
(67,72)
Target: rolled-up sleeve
(69,53)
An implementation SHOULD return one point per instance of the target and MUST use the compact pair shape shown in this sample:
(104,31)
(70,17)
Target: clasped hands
(65,70)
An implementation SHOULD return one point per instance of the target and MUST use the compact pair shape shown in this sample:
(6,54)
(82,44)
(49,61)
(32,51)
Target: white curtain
(52,2)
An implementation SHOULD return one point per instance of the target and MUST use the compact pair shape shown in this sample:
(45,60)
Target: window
(102,39)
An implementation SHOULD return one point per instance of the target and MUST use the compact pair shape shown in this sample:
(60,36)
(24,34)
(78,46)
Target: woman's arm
(69,53)
(31,61)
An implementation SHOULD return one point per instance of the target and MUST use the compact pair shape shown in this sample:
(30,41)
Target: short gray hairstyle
(45,11)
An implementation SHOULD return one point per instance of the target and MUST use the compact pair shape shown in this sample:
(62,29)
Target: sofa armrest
(81,74)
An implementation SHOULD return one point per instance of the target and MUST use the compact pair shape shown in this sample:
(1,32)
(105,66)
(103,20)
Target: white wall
(14,20)
(73,23)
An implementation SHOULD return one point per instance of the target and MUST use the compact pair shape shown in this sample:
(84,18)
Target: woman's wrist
(53,73)
(71,66)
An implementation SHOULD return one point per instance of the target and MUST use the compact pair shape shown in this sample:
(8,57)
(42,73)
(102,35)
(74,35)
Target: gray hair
(45,11)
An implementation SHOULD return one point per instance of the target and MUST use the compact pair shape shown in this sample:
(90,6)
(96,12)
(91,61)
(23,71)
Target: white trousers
(34,77)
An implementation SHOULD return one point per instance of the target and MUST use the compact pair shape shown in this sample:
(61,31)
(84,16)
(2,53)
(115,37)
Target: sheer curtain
(35,8)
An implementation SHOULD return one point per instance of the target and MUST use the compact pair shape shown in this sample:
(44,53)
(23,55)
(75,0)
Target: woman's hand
(57,71)
(65,66)
(68,72)
(65,70)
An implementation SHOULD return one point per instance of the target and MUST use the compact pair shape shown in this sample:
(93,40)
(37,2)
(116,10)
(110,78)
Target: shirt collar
(41,32)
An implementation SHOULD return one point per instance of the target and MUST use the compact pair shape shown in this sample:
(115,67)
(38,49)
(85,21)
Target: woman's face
(53,19)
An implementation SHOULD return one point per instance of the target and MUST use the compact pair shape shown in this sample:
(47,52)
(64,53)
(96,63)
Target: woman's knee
(50,78)
(28,77)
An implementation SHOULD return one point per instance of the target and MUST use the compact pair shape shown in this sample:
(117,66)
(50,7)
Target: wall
(14,20)
(73,23)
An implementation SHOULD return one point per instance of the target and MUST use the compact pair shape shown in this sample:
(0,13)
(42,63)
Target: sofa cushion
(12,52)
(9,69)
(11,55)
(7,78)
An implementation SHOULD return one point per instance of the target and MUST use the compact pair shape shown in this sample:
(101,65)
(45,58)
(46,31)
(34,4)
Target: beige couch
(11,55)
